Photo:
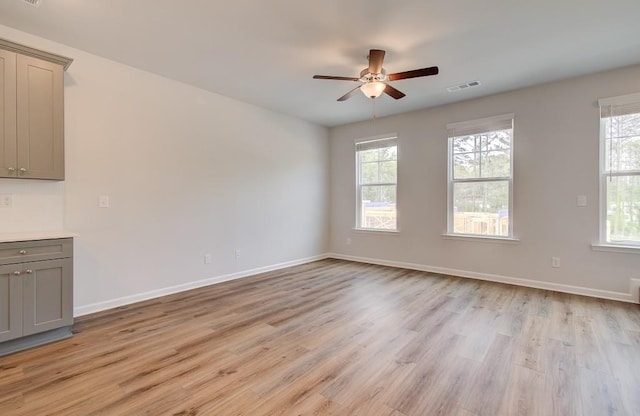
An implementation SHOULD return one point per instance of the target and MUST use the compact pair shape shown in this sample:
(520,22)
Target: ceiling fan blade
(349,94)
(414,74)
(389,90)
(376,56)
(336,78)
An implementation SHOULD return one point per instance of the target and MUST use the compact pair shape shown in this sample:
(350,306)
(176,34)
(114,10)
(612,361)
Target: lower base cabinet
(36,297)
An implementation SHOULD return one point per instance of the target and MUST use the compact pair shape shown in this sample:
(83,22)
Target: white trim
(374,138)
(604,175)
(634,289)
(556,287)
(615,248)
(451,181)
(127,300)
(481,238)
(620,100)
(602,185)
(358,186)
(480,122)
(376,231)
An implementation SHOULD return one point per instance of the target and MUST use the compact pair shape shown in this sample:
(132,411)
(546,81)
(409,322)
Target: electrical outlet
(237,253)
(555,262)
(581,200)
(6,200)
(207,259)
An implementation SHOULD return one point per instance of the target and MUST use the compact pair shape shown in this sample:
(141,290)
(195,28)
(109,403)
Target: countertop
(35,235)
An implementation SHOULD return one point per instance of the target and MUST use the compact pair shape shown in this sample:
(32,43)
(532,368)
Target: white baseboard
(127,300)
(634,289)
(631,297)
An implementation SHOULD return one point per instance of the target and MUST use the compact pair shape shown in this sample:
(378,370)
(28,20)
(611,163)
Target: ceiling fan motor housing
(366,76)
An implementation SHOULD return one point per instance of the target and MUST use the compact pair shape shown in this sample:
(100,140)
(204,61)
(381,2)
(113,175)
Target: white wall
(556,159)
(188,172)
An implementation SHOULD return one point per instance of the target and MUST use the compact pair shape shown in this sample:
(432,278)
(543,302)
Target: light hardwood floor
(339,338)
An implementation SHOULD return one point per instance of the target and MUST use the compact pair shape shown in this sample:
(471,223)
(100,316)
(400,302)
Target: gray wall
(556,159)
(188,172)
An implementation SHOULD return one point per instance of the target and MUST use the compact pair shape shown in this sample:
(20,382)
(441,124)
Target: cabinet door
(8,152)
(40,119)
(48,300)
(10,302)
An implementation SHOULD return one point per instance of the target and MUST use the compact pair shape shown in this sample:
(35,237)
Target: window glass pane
(466,165)
(464,144)
(378,207)
(378,165)
(485,155)
(622,154)
(497,140)
(388,153)
(388,171)
(622,126)
(496,164)
(368,155)
(369,172)
(481,208)
(623,209)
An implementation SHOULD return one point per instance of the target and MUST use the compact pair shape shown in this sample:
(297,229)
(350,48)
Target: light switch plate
(581,200)
(103,201)
(6,200)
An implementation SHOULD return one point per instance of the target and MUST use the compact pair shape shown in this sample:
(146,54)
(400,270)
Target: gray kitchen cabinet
(31,113)
(10,304)
(36,293)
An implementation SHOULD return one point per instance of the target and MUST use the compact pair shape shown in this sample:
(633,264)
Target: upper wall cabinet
(31,113)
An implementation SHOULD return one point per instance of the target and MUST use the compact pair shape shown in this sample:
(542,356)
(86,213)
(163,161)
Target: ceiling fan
(374,79)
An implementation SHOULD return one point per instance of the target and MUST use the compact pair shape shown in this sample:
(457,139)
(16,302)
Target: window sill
(376,231)
(481,239)
(615,248)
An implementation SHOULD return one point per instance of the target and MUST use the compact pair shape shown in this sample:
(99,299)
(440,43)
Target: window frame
(478,126)
(604,174)
(391,137)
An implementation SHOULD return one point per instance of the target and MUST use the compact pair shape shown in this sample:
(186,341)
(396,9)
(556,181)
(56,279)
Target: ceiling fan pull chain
(373,104)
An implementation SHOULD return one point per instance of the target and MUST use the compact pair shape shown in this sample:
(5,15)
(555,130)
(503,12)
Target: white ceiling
(265,52)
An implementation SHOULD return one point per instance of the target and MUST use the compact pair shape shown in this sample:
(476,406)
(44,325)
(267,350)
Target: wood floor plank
(600,395)
(523,393)
(562,386)
(488,384)
(334,337)
(532,342)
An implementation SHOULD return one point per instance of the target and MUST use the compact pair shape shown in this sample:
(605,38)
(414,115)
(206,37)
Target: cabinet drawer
(23,251)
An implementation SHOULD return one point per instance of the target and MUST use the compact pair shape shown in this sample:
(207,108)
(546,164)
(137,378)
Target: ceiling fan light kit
(35,3)
(375,80)
(373,89)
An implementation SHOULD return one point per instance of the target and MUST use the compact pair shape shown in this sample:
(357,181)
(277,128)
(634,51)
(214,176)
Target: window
(620,170)
(377,162)
(481,177)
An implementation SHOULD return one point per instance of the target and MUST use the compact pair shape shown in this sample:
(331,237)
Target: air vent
(463,86)
(35,3)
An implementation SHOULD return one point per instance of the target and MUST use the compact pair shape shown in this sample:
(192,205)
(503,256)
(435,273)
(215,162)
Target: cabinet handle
(16,273)
(28,271)
(11,170)
(23,170)
(23,251)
